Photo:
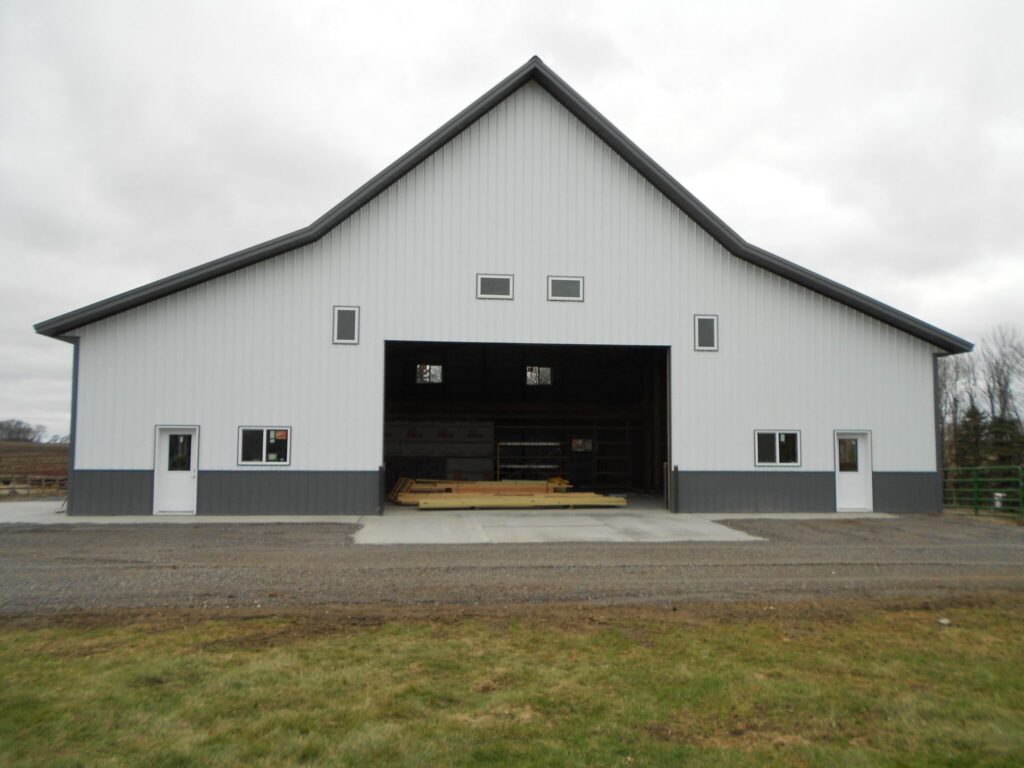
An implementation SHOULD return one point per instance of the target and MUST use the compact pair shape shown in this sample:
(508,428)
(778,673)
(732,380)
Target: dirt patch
(498,715)
(744,736)
(276,625)
(48,459)
(989,517)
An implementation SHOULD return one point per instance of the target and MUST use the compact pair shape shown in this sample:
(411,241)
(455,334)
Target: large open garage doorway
(595,415)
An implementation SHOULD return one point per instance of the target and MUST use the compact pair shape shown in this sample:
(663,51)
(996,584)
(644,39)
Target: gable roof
(535,70)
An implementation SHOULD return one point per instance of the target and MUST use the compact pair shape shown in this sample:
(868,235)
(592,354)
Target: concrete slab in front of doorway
(541,526)
(402,525)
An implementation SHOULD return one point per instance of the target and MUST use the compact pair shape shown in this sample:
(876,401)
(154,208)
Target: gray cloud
(879,143)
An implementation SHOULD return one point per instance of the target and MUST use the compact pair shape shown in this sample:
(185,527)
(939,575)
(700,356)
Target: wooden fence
(32,485)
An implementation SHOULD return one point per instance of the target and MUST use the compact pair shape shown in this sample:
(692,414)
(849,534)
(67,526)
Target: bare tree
(949,404)
(19,431)
(958,394)
(1002,371)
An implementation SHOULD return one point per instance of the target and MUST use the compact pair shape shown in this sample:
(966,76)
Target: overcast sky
(881,144)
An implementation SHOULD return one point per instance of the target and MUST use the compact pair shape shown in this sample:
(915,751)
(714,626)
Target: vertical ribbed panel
(527,190)
(288,493)
(756,491)
(111,492)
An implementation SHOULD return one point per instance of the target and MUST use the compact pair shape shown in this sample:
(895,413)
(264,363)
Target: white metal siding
(526,190)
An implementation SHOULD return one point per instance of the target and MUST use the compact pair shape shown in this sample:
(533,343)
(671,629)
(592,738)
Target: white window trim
(696,337)
(565,277)
(263,462)
(334,324)
(494,296)
(777,463)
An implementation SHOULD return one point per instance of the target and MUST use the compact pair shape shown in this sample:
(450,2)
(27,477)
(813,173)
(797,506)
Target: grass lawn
(843,683)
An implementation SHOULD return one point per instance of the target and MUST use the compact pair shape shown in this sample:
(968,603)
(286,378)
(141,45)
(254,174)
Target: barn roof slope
(535,70)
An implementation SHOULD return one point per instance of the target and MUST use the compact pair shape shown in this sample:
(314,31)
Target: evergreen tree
(1004,442)
(972,434)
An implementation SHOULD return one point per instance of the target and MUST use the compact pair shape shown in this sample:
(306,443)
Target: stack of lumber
(411,490)
(526,501)
(495,494)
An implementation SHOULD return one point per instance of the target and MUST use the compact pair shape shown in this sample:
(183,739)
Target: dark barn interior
(596,415)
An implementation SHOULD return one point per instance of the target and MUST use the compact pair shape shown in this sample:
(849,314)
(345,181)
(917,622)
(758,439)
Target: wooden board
(530,501)
(408,491)
(474,486)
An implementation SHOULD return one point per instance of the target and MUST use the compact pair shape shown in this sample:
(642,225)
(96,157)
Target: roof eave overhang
(536,70)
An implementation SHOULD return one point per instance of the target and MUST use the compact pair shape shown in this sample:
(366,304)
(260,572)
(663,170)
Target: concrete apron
(506,526)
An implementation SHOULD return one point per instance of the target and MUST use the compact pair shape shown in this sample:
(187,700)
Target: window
(705,333)
(494,286)
(848,459)
(777,448)
(346,325)
(264,445)
(565,288)
(538,376)
(429,373)
(179,453)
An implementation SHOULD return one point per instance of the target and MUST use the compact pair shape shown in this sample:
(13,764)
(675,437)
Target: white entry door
(853,471)
(174,471)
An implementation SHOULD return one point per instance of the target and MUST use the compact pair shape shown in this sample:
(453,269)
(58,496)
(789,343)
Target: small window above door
(429,373)
(538,376)
(494,287)
(565,288)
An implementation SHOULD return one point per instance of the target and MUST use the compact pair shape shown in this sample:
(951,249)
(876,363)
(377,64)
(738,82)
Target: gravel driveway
(59,567)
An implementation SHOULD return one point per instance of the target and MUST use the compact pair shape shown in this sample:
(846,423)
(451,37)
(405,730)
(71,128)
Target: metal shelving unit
(608,462)
(527,460)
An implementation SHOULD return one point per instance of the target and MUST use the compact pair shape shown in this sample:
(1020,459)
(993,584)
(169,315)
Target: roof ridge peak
(533,69)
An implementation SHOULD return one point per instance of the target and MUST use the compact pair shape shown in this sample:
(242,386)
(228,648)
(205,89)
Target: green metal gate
(988,489)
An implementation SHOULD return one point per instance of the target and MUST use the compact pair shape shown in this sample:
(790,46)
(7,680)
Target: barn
(525,293)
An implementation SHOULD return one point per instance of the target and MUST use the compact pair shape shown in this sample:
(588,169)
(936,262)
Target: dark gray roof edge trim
(724,234)
(533,69)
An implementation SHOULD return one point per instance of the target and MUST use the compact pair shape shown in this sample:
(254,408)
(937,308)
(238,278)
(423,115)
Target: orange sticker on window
(282,434)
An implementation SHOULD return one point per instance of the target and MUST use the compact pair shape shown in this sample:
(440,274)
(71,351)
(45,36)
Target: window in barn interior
(429,373)
(538,376)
